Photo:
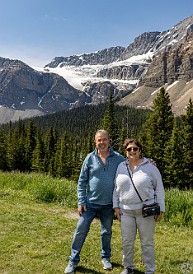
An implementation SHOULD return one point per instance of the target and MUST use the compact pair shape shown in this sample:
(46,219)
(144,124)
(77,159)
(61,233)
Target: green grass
(35,236)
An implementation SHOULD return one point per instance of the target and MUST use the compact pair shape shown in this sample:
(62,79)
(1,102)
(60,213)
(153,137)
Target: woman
(128,206)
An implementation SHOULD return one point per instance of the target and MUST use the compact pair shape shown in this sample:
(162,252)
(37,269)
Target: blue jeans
(106,215)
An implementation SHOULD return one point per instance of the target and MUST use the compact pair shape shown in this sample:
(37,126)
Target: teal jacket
(96,180)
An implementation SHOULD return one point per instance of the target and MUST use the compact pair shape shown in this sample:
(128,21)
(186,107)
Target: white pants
(131,221)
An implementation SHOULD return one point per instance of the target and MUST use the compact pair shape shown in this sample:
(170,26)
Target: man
(95,189)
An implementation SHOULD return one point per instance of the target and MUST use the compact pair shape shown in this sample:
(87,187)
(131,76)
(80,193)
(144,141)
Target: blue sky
(36,31)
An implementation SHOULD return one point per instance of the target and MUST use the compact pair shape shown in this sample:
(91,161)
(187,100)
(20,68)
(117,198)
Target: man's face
(102,142)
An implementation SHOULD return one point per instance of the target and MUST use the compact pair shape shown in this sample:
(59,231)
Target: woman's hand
(118,213)
(158,217)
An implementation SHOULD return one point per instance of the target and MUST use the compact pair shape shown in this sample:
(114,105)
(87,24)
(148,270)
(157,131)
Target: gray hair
(102,131)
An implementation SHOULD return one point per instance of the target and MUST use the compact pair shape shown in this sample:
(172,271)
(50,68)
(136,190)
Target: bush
(41,187)
(48,189)
(179,207)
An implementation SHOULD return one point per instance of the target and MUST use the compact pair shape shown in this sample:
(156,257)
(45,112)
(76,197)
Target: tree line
(57,144)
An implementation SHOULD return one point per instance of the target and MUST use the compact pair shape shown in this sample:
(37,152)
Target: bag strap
(155,196)
(133,183)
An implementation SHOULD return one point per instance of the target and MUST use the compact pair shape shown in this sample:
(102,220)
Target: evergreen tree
(30,144)
(50,149)
(122,138)
(62,158)
(90,143)
(19,144)
(110,123)
(20,129)
(157,129)
(174,170)
(188,145)
(38,154)
(77,163)
(10,149)
(87,145)
(3,160)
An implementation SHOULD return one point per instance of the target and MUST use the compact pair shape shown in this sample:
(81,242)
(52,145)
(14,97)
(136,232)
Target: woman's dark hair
(132,140)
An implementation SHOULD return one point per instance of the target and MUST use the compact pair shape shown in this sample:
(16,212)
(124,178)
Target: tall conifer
(10,148)
(19,144)
(63,167)
(30,144)
(188,145)
(50,149)
(173,156)
(3,160)
(110,123)
(158,128)
(38,154)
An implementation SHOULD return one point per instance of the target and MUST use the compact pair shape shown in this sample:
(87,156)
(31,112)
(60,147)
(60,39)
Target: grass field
(35,236)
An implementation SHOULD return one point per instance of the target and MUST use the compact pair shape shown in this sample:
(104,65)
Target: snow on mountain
(77,76)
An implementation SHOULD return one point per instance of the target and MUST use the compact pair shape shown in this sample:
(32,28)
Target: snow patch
(173,84)
(77,76)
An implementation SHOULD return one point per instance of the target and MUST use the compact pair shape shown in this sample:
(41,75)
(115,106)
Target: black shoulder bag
(147,210)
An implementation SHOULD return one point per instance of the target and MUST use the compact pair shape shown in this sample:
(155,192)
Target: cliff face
(172,65)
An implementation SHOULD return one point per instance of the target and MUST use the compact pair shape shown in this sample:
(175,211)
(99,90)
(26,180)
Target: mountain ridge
(134,74)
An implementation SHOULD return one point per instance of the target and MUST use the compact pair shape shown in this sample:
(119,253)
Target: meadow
(38,215)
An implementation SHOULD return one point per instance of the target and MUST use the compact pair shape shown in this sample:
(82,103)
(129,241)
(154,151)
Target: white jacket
(147,180)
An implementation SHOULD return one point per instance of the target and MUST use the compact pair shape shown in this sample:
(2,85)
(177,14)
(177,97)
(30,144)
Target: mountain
(153,60)
(23,88)
(171,66)
(134,74)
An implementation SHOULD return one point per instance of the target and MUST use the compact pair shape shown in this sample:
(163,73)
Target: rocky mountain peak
(102,57)
(141,45)
(169,39)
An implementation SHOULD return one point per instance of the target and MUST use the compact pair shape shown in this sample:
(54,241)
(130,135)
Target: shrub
(179,207)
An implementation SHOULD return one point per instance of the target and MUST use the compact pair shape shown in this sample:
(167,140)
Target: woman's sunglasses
(132,148)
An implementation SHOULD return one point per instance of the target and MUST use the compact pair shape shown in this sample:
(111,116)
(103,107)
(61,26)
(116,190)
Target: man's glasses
(132,148)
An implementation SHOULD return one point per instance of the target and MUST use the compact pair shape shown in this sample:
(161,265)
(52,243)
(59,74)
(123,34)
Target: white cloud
(53,18)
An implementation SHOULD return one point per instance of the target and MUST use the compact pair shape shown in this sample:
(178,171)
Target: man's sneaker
(106,264)
(70,268)
(128,271)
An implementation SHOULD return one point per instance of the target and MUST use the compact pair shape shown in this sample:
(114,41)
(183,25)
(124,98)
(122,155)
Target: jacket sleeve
(83,183)
(159,188)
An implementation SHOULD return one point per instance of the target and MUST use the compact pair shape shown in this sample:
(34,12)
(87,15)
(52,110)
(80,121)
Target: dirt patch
(71,215)
(74,215)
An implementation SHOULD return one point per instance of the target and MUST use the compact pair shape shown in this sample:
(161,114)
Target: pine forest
(57,144)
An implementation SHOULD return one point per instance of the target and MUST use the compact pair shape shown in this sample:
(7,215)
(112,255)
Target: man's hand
(152,161)
(81,209)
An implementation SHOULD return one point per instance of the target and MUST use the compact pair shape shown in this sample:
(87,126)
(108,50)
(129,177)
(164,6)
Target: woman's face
(133,151)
